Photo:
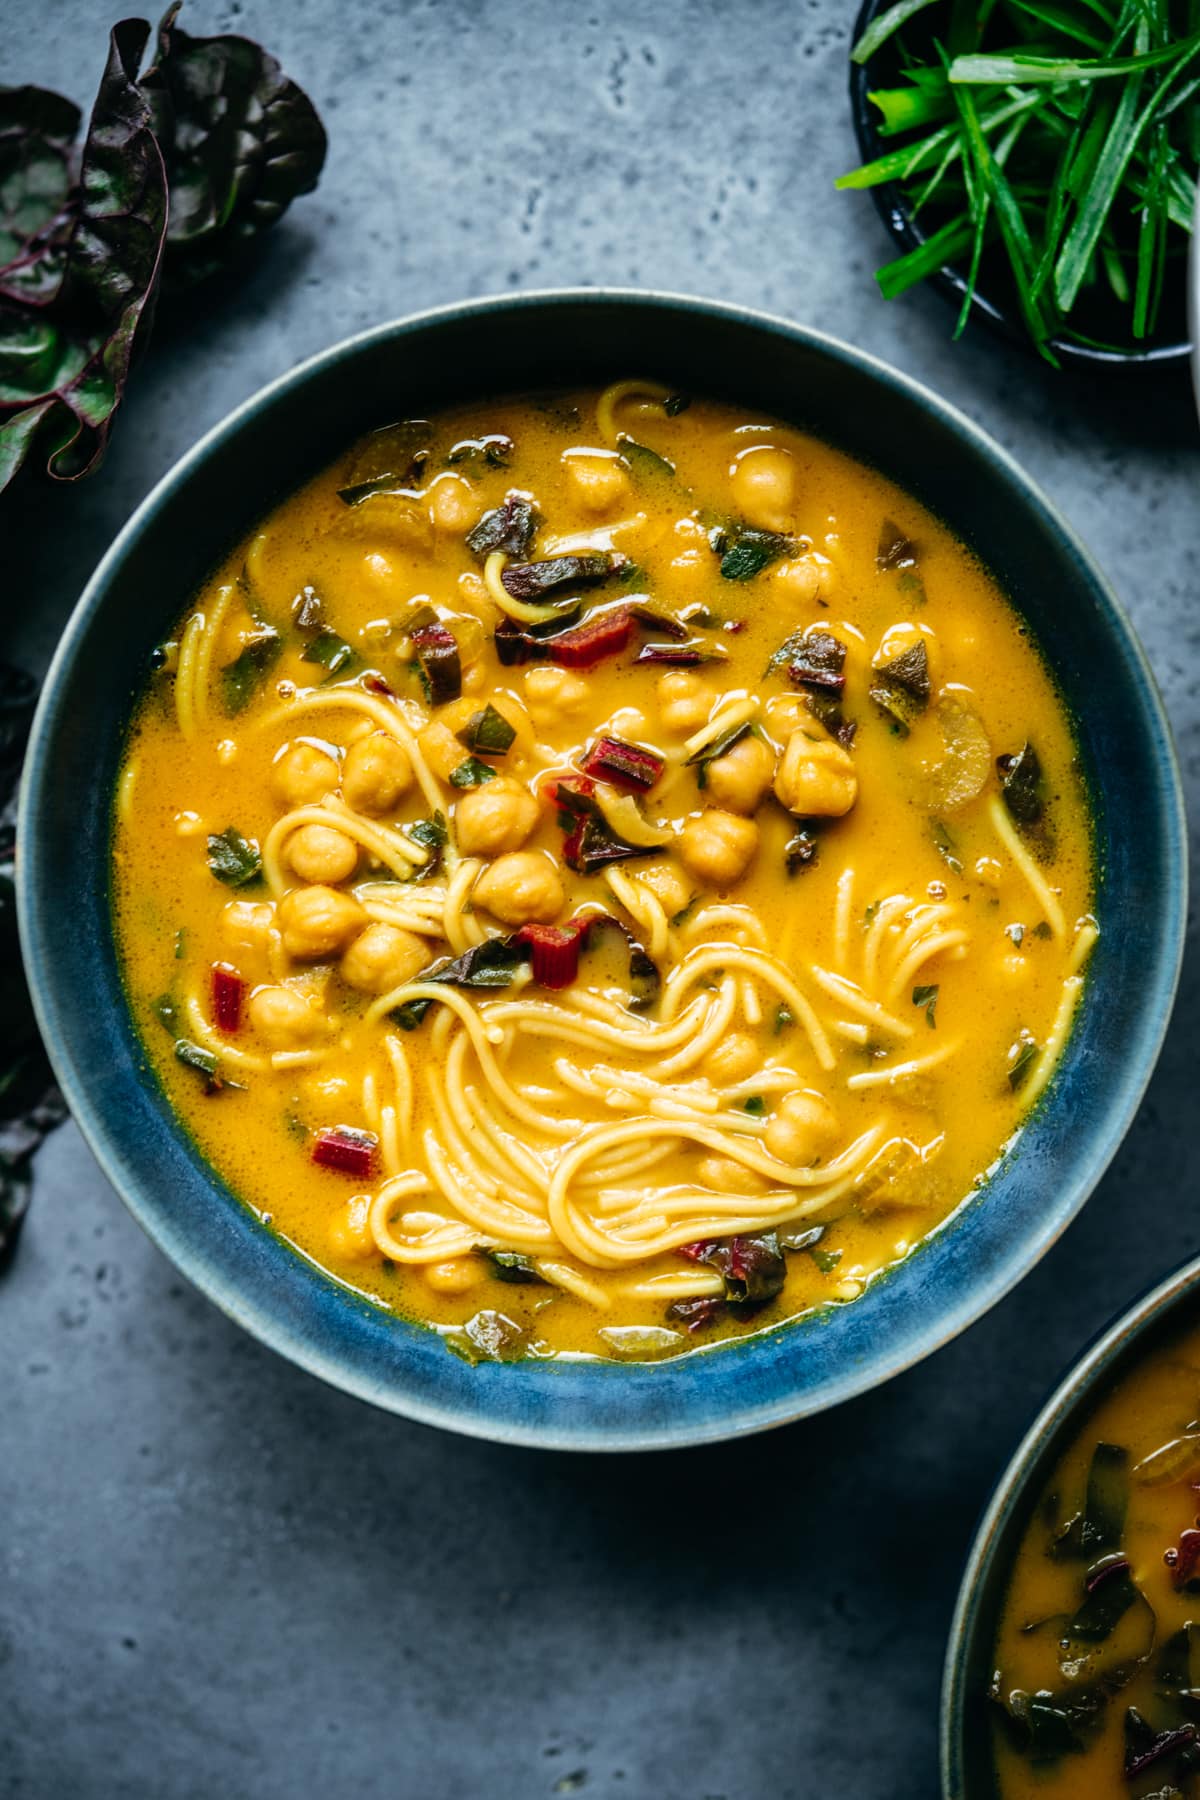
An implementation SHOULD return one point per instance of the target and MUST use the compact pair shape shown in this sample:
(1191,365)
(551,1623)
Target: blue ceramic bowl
(263,451)
(966,1747)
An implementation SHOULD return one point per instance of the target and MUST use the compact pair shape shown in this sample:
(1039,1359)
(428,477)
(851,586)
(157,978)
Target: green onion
(1052,143)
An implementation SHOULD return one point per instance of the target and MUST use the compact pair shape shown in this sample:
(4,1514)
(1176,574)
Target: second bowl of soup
(604,871)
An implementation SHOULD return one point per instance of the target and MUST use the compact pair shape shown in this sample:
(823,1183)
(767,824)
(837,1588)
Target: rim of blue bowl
(558,1417)
(950,282)
(1114,1349)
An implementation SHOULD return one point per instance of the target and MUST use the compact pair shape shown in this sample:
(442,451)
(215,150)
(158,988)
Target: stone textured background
(218,1577)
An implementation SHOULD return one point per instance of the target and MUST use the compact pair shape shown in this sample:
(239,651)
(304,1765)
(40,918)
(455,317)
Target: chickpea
(739,779)
(284,1017)
(453,507)
(734,1058)
(318,922)
(816,778)
(441,749)
(597,482)
(246,924)
(495,818)
(302,774)
(803,581)
(666,881)
(728,1176)
(717,846)
(522,888)
(454,1276)
(376,774)
(803,1128)
(383,957)
(319,853)
(690,570)
(553,694)
(764,487)
(350,1235)
(684,701)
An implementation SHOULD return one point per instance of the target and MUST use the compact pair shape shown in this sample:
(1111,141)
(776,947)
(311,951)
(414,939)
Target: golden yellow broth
(1156,1402)
(962,1114)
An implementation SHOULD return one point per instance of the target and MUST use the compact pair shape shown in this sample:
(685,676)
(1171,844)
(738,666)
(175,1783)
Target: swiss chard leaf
(901,687)
(1023,785)
(471,773)
(1101,1524)
(242,678)
(511,1266)
(232,858)
(240,142)
(487,733)
(746,552)
(37,134)
(78,297)
(754,1269)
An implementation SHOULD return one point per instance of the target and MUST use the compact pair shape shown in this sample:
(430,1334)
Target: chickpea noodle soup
(602,873)
(1097,1684)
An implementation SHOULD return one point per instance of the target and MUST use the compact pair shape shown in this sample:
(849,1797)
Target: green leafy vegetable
(232,858)
(745,551)
(826,1260)
(488,1337)
(1021,1058)
(1051,155)
(179,166)
(471,773)
(240,142)
(947,847)
(487,733)
(330,652)
(511,1266)
(927,999)
(1101,1524)
(242,678)
(1023,785)
(755,1105)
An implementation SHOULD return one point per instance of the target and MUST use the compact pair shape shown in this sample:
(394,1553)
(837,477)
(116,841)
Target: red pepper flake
(379,684)
(229,993)
(348,1151)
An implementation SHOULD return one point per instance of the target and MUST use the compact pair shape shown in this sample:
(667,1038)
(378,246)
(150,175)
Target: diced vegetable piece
(896,549)
(205,1062)
(492,451)
(643,461)
(511,1266)
(232,858)
(927,998)
(591,842)
(746,552)
(307,610)
(491,964)
(623,764)
(1144,1746)
(471,774)
(1021,1057)
(1101,1524)
(1109,1593)
(348,1151)
(678,656)
(818,661)
(489,1337)
(534,580)
(1023,785)
(241,679)
(753,1268)
(901,687)
(698,1311)
(229,994)
(511,528)
(1178,1460)
(436,650)
(644,978)
(554,953)
(487,733)
(1182,1558)
(635,1342)
(967,758)
(330,652)
(654,620)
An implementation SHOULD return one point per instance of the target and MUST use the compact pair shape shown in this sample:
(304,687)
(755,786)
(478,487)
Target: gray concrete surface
(216,1576)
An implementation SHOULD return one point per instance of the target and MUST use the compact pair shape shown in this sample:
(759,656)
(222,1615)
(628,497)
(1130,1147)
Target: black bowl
(995,304)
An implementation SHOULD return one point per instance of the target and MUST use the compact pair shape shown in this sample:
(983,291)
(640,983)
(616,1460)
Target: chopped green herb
(166,1012)
(410,1015)
(471,774)
(511,1266)
(645,462)
(674,404)
(234,859)
(180,944)
(242,678)
(802,851)
(803,1239)
(826,1260)
(488,1337)
(927,997)
(946,847)
(685,912)
(1020,1060)
(1042,930)
(1016,933)
(755,1105)
(1023,785)
(783,1018)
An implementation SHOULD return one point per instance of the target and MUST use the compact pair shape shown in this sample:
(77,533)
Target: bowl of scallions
(1036,161)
